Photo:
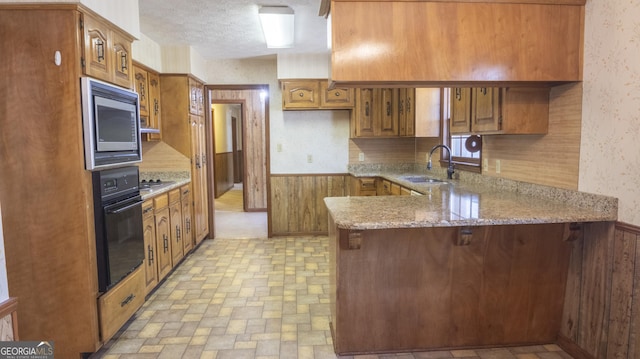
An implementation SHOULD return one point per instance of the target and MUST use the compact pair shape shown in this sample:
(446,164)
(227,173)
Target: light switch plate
(279,147)
(309,158)
(497,166)
(485,165)
(361,157)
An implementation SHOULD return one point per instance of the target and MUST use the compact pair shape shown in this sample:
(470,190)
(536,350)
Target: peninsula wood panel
(601,316)
(255,131)
(223,172)
(49,236)
(552,159)
(475,42)
(505,287)
(297,202)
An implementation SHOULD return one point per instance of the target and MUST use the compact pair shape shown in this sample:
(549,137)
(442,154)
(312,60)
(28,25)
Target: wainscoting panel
(602,302)
(223,172)
(297,202)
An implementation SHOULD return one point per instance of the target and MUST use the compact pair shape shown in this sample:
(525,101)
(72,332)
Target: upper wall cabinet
(147,85)
(512,111)
(106,52)
(433,42)
(314,94)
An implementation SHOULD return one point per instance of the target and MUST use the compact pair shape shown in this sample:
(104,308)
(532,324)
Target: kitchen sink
(422,179)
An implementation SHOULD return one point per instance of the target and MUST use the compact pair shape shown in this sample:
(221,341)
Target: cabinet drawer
(185,191)
(161,201)
(118,305)
(174,195)
(367,184)
(337,97)
(300,94)
(147,208)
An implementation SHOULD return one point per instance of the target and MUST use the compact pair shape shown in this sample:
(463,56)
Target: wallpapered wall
(610,147)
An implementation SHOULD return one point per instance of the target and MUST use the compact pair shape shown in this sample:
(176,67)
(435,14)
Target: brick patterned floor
(255,298)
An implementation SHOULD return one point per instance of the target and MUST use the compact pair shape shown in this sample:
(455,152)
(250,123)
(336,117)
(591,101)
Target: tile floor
(254,298)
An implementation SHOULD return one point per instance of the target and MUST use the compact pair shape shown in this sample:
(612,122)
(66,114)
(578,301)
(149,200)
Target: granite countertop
(172,179)
(471,201)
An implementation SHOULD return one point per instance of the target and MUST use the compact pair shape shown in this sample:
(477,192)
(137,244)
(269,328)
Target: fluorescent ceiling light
(277,25)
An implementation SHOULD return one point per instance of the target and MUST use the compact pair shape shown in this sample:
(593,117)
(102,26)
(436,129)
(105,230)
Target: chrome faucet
(450,168)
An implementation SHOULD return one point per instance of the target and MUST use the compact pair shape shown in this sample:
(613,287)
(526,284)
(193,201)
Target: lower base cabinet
(168,233)
(118,305)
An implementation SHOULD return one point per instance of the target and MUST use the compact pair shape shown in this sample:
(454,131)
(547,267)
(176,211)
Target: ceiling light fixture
(277,25)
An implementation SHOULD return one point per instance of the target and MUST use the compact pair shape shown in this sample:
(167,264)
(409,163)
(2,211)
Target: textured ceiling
(229,29)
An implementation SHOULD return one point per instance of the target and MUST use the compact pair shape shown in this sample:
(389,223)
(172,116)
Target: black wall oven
(118,224)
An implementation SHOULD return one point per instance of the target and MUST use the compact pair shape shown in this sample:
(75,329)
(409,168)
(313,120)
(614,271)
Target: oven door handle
(120,210)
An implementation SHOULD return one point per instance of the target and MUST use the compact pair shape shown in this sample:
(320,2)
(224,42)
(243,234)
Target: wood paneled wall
(602,302)
(255,128)
(223,173)
(297,202)
(382,150)
(552,159)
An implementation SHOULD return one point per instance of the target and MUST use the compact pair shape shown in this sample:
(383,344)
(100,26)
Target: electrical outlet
(309,158)
(485,165)
(361,157)
(497,166)
(279,147)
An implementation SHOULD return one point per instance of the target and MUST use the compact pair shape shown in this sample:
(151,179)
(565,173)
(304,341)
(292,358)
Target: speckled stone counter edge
(604,204)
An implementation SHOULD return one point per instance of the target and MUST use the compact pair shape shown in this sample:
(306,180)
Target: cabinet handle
(401,107)
(156,106)
(458,94)
(188,225)
(150,254)
(100,49)
(197,161)
(143,92)
(484,91)
(177,233)
(204,158)
(366,109)
(388,108)
(127,300)
(408,109)
(165,240)
(147,210)
(123,62)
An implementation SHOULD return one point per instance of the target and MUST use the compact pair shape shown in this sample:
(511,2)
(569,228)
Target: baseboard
(572,348)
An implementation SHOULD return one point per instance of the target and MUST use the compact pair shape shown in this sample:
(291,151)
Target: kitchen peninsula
(474,263)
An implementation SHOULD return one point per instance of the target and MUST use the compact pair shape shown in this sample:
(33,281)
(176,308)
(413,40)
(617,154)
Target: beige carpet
(232,222)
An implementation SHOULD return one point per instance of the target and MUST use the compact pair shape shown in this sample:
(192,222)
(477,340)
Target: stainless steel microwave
(111,125)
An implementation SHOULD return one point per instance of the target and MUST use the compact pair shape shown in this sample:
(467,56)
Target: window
(462,156)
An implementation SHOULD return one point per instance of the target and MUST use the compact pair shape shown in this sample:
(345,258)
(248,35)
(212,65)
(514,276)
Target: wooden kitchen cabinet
(106,52)
(150,246)
(376,113)
(187,233)
(175,220)
(363,186)
(406,112)
(163,235)
(511,110)
(524,42)
(314,94)
(186,132)
(147,85)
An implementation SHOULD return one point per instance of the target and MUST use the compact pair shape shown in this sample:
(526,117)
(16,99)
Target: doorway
(238,157)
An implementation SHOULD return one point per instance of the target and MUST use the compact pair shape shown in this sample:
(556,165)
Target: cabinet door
(485,109)
(141,86)
(199,181)
(363,117)
(406,112)
(187,233)
(300,94)
(96,49)
(193,96)
(460,121)
(163,244)
(387,112)
(154,105)
(121,50)
(336,98)
(175,220)
(149,235)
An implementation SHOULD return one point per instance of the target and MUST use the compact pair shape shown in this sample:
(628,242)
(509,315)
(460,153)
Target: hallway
(253,297)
